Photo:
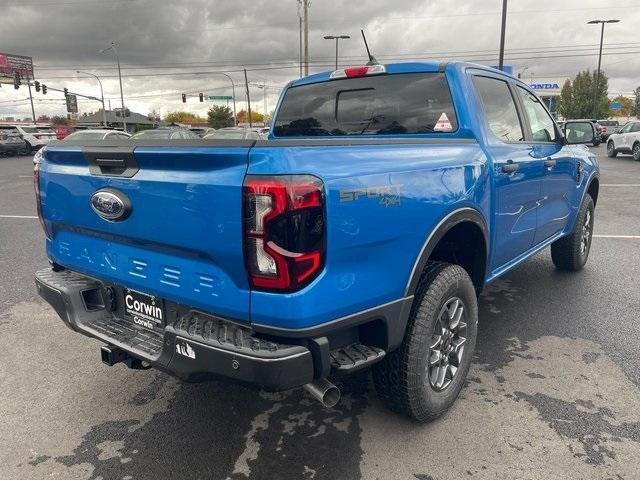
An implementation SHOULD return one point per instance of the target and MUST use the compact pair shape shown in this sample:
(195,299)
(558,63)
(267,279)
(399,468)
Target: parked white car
(626,140)
(35,137)
(98,134)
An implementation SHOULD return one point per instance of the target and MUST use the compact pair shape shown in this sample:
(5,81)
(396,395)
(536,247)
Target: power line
(238,63)
(330,65)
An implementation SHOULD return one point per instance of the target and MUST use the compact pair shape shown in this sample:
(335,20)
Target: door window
(541,123)
(499,108)
(626,128)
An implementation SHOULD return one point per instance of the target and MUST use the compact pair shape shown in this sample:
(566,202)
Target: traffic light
(184,98)
(201,97)
(66,91)
(16,81)
(44,89)
(37,85)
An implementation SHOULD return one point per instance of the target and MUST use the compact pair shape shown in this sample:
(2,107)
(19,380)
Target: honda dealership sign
(545,86)
(12,64)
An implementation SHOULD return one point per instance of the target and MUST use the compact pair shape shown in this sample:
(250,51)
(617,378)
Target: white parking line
(617,236)
(620,185)
(18,216)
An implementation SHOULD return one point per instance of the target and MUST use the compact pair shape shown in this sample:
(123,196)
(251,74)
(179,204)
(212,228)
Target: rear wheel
(611,150)
(571,252)
(423,378)
(635,151)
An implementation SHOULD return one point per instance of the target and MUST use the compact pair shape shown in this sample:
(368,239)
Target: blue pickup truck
(360,234)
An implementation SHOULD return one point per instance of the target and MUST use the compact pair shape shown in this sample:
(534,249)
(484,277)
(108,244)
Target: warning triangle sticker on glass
(443,124)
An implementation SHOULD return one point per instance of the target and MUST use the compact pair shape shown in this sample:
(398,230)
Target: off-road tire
(567,253)
(611,150)
(635,151)
(401,379)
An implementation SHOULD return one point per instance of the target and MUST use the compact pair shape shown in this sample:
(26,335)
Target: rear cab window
(499,108)
(394,104)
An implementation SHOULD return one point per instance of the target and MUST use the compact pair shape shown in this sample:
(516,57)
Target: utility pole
(596,89)
(264,97)
(502,32)
(33,112)
(300,34)
(246,84)
(306,37)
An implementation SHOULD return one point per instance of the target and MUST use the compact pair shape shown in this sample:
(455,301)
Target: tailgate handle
(112,161)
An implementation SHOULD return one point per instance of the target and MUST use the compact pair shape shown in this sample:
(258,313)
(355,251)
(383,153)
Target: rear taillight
(36,186)
(284,230)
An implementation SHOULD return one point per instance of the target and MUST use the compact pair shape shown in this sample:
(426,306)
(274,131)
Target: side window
(627,128)
(635,128)
(499,108)
(542,127)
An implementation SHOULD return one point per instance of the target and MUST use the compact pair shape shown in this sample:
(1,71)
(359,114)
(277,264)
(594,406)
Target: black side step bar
(354,357)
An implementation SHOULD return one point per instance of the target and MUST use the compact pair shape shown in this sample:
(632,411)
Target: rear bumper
(193,345)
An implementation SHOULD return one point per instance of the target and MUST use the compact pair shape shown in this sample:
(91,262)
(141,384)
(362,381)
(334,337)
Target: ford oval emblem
(111,204)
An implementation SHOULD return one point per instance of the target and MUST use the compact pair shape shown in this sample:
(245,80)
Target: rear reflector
(359,71)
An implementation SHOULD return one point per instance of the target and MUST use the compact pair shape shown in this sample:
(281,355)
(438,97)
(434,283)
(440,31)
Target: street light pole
(596,88)
(502,33)
(336,38)
(104,112)
(233,92)
(114,47)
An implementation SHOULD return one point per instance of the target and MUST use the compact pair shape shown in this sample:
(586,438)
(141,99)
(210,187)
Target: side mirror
(579,132)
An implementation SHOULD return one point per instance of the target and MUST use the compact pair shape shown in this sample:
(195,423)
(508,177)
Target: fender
(455,217)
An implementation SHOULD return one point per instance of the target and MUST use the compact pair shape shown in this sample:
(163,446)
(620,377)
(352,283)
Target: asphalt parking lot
(554,391)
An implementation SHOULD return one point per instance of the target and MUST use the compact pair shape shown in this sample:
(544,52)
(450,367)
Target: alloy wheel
(447,344)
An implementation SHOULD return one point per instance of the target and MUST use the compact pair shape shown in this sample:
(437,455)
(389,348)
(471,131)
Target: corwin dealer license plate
(144,310)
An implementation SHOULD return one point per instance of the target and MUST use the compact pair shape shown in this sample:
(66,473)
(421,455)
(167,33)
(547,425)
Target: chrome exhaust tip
(324,391)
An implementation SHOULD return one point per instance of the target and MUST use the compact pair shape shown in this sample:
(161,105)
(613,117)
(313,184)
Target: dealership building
(548,89)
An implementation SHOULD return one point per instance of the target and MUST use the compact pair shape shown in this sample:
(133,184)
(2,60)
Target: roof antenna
(372,59)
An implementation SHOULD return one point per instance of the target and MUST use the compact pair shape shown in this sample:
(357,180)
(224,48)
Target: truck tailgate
(183,237)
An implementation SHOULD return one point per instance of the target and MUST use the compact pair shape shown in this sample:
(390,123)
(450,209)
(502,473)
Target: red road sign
(12,64)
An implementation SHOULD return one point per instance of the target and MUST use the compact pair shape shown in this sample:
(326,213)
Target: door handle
(549,163)
(510,167)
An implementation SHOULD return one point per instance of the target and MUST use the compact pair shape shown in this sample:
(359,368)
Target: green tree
(182,117)
(636,103)
(577,97)
(626,105)
(220,116)
(565,101)
(602,104)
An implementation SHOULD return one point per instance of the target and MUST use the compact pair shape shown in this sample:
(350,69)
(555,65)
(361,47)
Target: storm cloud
(170,47)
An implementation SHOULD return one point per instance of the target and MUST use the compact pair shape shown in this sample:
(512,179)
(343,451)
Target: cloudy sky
(174,46)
